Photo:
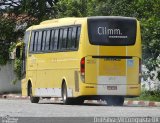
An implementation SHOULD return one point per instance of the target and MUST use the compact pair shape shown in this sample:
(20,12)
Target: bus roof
(68,21)
(56,22)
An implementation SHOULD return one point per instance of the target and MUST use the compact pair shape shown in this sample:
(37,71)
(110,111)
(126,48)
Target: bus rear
(111,62)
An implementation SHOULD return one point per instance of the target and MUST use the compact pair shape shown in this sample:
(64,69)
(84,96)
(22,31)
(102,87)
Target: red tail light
(83,66)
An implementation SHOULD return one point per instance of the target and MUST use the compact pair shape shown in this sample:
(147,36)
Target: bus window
(74,32)
(69,41)
(52,40)
(64,40)
(72,38)
(31,48)
(47,40)
(39,41)
(56,39)
(26,39)
(77,37)
(36,41)
(43,41)
(60,38)
(24,52)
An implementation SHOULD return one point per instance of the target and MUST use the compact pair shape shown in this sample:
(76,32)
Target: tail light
(82,68)
(140,69)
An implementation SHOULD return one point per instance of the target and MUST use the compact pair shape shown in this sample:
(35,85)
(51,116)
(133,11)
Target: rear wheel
(115,101)
(32,98)
(65,98)
(70,101)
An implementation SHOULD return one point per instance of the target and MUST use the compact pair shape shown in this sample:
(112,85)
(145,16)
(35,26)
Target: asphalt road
(46,108)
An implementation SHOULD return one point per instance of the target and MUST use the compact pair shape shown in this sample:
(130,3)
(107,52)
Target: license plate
(111,87)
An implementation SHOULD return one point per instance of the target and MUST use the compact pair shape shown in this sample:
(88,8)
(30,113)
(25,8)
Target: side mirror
(18,52)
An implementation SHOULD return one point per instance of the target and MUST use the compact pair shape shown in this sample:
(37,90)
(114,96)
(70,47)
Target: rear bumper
(119,90)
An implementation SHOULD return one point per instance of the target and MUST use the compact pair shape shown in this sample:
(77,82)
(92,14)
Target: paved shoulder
(126,103)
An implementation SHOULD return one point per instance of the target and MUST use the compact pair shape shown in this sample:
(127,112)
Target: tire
(65,98)
(115,101)
(70,101)
(32,98)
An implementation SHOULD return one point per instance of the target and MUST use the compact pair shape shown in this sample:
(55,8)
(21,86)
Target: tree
(147,12)
(34,11)
(7,35)
(71,8)
(16,16)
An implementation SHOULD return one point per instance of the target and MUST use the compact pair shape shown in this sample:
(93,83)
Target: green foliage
(151,47)
(32,11)
(39,9)
(17,64)
(147,11)
(148,96)
(72,8)
(17,68)
(111,7)
(35,8)
(7,36)
(151,35)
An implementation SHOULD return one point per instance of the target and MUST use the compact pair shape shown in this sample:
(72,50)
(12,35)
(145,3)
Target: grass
(148,96)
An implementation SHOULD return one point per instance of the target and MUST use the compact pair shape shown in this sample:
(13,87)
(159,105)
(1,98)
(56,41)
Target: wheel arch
(28,87)
(69,89)
(63,82)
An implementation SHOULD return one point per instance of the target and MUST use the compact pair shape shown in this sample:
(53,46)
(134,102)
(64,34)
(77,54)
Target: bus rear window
(112,31)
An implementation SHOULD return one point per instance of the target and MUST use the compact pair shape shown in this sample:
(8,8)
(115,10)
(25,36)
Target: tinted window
(60,38)
(74,34)
(64,40)
(56,39)
(36,41)
(73,37)
(32,42)
(51,40)
(26,37)
(47,40)
(114,31)
(78,36)
(69,41)
(39,41)
(44,40)
(24,53)
(51,45)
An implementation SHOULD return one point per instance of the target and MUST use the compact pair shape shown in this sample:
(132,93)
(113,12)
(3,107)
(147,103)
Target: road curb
(126,103)
(142,103)
(13,96)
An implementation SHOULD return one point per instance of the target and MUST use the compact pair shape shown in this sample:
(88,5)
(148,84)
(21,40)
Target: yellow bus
(79,59)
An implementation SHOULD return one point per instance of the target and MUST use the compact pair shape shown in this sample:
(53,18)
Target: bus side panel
(56,68)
